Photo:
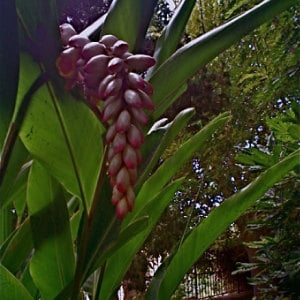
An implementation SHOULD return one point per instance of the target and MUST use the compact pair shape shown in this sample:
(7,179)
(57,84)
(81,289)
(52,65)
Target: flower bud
(78,41)
(123,121)
(132,98)
(139,115)
(92,49)
(91,80)
(103,85)
(66,31)
(121,208)
(146,100)
(130,197)
(115,65)
(97,64)
(135,136)
(122,180)
(129,157)
(137,82)
(113,87)
(108,40)
(111,153)
(140,62)
(132,175)
(115,165)
(110,134)
(112,110)
(119,142)
(119,48)
(66,62)
(116,196)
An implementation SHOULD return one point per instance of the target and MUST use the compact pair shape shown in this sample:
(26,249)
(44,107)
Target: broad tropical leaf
(170,166)
(119,262)
(53,262)
(52,134)
(187,60)
(217,221)
(172,33)
(159,139)
(133,18)
(11,287)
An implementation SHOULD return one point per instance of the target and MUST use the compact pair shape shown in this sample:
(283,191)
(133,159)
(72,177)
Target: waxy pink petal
(135,136)
(132,98)
(130,198)
(111,110)
(115,165)
(123,121)
(119,142)
(78,41)
(123,180)
(115,65)
(116,196)
(92,49)
(139,115)
(110,134)
(113,87)
(129,157)
(119,48)
(140,62)
(121,208)
(108,40)
(66,31)
(97,64)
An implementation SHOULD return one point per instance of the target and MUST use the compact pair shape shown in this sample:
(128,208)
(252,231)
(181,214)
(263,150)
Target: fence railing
(206,285)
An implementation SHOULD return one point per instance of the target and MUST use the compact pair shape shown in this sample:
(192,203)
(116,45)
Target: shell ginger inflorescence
(105,71)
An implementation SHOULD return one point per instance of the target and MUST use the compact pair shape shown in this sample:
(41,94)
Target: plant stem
(87,222)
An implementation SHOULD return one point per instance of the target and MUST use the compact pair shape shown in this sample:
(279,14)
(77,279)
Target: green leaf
(172,33)
(150,198)
(169,131)
(187,60)
(53,262)
(217,221)
(170,166)
(102,231)
(129,20)
(64,135)
(17,250)
(9,62)
(120,261)
(128,233)
(27,281)
(11,287)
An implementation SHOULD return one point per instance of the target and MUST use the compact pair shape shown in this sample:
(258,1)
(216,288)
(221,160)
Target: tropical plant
(59,228)
(275,217)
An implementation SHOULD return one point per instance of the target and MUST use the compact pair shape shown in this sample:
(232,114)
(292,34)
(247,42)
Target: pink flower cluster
(106,71)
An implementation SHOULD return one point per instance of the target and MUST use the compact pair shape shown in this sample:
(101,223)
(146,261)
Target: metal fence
(206,285)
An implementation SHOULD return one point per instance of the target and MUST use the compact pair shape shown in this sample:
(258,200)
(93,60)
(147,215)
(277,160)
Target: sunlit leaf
(187,60)
(217,221)
(64,135)
(170,37)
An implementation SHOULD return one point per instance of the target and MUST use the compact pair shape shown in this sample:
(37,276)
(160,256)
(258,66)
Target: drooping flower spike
(106,71)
